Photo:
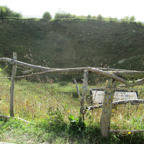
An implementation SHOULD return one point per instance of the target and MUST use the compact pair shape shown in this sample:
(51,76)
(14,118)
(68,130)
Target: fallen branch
(7,117)
(24,120)
(4,117)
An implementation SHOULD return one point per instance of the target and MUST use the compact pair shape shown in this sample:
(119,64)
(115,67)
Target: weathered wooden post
(77,87)
(107,108)
(85,80)
(12,86)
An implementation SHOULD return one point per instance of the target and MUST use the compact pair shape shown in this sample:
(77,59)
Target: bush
(132,18)
(62,14)
(77,125)
(99,17)
(89,16)
(62,83)
(47,16)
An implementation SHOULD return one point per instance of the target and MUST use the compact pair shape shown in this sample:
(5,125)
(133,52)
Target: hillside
(74,43)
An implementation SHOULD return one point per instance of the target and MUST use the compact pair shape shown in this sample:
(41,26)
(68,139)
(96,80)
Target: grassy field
(53,110)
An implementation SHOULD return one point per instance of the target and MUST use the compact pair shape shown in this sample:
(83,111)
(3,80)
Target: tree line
(63,14)
(6,12)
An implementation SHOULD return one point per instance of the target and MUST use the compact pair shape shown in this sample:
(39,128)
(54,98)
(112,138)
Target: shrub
(77,125)
(132,18)
(62,83)
(99,17)
(89,16)
(62,14)
(47,15)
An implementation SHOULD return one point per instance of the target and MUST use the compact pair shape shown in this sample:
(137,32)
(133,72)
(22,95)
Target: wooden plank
(12,86)
(98,95)
(107,108)
(138,101)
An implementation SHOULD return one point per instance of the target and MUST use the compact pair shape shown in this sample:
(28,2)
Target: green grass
(55,112)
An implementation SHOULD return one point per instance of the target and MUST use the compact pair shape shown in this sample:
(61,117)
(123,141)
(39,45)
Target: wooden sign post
(107,108)
(12,86)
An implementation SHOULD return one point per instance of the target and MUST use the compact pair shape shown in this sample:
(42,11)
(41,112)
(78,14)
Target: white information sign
(98,95)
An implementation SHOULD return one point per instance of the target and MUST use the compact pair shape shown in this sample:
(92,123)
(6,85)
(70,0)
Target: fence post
(77,88)
(107,108)
(12,86)
(85,80)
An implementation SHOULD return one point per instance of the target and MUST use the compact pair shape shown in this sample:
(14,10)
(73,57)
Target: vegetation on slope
(74,42)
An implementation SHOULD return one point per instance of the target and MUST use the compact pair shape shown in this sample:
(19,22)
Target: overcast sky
(113,8)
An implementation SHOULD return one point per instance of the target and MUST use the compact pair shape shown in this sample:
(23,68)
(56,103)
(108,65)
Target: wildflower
(68,111)
(82,115)
(129,132)
(35,96)
(7,128)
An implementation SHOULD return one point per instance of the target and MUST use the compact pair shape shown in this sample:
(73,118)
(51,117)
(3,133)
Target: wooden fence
(114,74)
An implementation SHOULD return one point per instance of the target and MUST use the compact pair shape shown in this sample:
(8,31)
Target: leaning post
(12,86)
(85,81)
(77,87)
(107,107)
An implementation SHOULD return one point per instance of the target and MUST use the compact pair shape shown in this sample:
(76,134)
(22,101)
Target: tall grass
(50,107)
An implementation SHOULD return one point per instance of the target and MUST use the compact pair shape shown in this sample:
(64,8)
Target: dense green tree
(7,12)
(62,14)
(132,18)
(94,17)
(99,17)
(126,19)
(89,16)
(47,15)
(82,17)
